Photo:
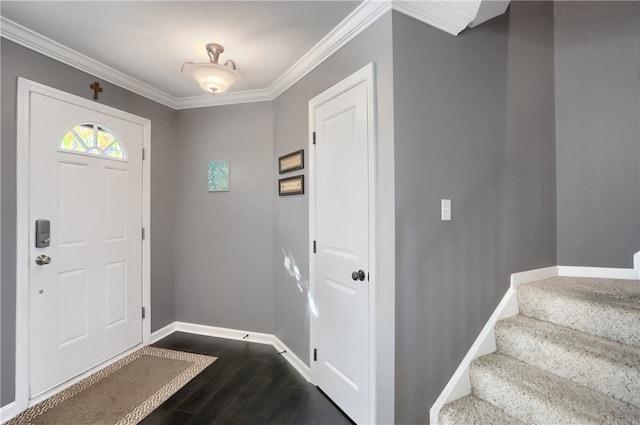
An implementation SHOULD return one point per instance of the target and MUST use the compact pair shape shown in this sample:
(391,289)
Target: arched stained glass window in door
(93,139)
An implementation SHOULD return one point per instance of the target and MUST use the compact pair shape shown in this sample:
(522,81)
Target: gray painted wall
(474,120)
(597,69)
(474,123)
(223,247)
(291,230)
(19,61)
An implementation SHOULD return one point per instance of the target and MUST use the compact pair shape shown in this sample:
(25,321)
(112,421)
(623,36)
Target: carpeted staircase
(572,356)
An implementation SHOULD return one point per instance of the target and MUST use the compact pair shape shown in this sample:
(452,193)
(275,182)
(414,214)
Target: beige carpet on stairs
(123,393)
(571,356)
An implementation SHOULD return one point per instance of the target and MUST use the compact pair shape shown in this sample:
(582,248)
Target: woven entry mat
(122,393)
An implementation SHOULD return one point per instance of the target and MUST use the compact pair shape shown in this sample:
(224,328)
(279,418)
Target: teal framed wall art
(219,176)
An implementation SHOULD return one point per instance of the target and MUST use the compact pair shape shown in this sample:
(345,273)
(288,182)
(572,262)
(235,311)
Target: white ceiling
(141,45)
(150,40)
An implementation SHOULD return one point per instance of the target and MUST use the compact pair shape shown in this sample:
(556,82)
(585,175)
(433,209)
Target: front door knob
(43,260)
(359,275)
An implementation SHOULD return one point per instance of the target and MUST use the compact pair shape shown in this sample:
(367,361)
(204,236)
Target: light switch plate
(445,209)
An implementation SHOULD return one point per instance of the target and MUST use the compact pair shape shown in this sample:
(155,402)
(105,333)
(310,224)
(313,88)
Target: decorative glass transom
(92,139)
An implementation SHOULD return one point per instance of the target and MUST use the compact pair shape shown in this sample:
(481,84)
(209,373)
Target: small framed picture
(218,176)
(291,185)
(291,161)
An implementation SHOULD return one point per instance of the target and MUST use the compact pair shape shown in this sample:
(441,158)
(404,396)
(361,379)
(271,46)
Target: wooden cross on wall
(96,89)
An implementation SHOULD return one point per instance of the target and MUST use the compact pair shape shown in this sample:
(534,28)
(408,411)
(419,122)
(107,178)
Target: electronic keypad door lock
(43,233)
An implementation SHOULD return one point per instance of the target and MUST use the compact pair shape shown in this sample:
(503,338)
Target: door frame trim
(25,88)
(364,75)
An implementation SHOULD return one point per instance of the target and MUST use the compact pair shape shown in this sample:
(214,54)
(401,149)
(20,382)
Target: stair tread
(470,410)
(615,291)
(608,308)
(536,396)
(574,339)
(608,366)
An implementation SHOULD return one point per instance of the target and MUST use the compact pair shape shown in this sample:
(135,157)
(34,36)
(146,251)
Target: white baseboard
(293,360)
(460,384)
(237,334)
(8,412)
(603,272)
(162,332)
(240,335)
(533,275)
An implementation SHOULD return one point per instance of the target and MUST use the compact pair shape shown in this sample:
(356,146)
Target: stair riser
(470,410)
(619,380)
(538,397)
(528,407)
(615,323)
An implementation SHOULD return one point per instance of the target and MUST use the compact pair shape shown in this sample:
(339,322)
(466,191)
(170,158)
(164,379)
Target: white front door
(85,179)
(341,287)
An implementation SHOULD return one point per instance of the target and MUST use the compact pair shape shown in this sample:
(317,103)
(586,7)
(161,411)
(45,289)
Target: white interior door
(85,305)
(342,366)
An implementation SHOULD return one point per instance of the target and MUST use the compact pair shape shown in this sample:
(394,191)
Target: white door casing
(85,307)
(342,182)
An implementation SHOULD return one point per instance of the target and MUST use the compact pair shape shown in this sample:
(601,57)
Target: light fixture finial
(214,50)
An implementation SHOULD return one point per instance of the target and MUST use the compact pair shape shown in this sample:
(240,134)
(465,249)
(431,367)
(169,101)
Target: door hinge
(314,137)
(143,233)
(314,247)
(144,312)
(144,154)
(315,354)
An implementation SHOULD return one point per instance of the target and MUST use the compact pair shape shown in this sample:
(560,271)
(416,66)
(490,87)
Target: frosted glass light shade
(212,77)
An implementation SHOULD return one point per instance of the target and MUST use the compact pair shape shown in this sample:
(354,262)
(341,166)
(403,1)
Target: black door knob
(359,275)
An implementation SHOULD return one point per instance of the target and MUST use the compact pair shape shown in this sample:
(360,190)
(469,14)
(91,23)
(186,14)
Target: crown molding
(227,98)
(364,15)
(489,10)
(44,45)
(447,15)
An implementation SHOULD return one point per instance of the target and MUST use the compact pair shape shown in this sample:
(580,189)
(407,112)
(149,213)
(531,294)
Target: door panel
(85,306)
(116,292)
(116,211)
(73,199)
(73,306)
(342,240)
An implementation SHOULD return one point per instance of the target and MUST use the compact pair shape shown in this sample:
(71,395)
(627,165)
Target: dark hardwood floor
(249,384)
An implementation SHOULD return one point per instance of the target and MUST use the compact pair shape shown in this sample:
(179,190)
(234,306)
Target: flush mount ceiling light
(213,77)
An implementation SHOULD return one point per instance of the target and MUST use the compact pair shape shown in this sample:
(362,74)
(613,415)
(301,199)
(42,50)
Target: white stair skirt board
(460,384)
(240,335)
(8,412)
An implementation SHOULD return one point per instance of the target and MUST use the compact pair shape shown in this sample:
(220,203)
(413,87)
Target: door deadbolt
(43,233)
(359,275)
(43,260)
